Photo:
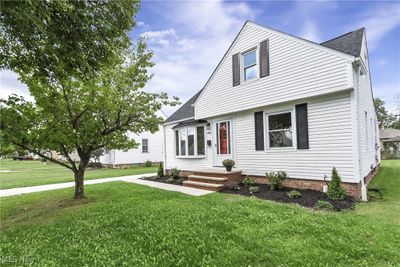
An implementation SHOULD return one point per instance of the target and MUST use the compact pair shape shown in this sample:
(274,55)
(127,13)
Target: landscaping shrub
(335,189)
(160,171)
(294,194)
(170,180)
(95,165)
(276,179)
(148,163)
(248,181)
(254,189)
(228,164)
(174,173)
(325,205)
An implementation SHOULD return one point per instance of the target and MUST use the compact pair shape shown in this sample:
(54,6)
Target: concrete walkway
(131,179)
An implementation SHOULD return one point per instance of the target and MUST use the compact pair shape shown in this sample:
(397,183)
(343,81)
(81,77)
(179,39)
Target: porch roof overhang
(188,123)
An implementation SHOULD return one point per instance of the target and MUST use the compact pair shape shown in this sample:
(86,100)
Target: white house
(150,148)
(279,102)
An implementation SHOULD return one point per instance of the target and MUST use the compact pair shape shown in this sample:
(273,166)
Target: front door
(222,142)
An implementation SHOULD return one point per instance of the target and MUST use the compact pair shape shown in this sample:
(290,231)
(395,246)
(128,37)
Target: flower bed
(308,198)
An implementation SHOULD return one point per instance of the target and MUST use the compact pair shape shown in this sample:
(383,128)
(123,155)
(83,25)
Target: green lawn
(122,224)
(30,173)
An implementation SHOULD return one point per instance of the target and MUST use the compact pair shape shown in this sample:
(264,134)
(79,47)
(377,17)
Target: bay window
(190,142)
(280,130)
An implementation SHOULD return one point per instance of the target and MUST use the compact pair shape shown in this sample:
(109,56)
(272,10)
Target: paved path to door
(131,179)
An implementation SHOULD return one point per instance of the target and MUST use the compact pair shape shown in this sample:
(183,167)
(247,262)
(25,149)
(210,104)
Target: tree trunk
(79,192)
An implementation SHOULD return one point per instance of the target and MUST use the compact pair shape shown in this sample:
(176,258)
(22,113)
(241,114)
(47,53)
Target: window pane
(183,142)
(200,141)
(250,58)
(280,121)
(145,145)
(177,143)
(191,141)
(281,139)
(250,73)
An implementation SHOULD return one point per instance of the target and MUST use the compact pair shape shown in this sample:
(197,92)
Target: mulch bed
(163,179)
(308,197)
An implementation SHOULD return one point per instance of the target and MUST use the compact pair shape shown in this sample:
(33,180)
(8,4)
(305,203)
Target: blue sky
(189,38)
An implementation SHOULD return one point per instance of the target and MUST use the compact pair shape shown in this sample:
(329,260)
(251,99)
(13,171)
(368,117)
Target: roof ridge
(363,28)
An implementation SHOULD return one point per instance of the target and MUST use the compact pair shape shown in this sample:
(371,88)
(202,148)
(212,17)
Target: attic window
(250,65)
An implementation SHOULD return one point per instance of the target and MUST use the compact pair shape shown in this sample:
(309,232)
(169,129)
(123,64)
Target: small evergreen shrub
(335,189)
(228,164)
(324,205)
(170,180)
(148,163)
(276,179)
(254,189)
(160,171)
(248,181)
(174,173)
(294,194)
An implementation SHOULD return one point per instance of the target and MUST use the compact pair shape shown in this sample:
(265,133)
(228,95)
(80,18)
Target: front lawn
(132,225)
(33,172)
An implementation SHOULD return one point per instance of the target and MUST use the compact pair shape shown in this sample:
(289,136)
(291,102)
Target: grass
(388,181)
(126,224)
(30,173)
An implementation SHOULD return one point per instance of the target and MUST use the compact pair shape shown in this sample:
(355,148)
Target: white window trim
(195,156)
(242,77)
(267,148)
(147,145)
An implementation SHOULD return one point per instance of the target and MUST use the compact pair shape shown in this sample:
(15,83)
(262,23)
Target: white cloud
(310,32)
(10,84)
(380,22)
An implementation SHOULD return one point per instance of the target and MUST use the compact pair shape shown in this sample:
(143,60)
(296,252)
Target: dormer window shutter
(264,58)
(236,69)
(302,126)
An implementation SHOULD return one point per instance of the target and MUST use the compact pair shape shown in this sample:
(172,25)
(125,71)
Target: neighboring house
(279,102)
(150,148)
(390,143)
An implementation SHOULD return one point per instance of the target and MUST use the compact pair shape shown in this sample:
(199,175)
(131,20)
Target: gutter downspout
(164,151)
(364,196)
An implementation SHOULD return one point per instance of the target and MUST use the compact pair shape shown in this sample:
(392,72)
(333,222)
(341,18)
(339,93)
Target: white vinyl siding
(330,139)
(296,71)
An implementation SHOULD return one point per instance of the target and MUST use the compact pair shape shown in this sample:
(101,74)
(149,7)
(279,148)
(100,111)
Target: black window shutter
(236,69)
(259,130)
(302,126)
(264,58)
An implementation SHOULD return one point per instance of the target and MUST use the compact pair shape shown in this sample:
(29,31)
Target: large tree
(385,118)
(88,92)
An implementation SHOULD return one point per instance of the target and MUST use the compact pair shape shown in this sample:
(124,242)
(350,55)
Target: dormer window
(250,65)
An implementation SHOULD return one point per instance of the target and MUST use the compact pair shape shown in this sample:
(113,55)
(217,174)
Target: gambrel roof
(349,43)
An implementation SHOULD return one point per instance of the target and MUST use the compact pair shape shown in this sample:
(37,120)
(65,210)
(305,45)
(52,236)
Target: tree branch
(42,155)
(66,155)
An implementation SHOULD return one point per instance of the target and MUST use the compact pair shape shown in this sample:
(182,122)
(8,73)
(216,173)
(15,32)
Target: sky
(190,38)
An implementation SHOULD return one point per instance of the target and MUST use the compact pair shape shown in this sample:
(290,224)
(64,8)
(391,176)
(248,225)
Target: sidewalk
(131,179)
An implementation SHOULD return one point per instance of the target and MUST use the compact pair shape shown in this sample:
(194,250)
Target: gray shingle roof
(185,111)
(349,43)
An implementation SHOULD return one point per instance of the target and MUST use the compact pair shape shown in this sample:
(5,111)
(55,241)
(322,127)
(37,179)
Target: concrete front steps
(213,180)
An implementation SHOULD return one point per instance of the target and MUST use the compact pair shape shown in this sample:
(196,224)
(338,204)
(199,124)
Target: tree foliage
(89,94)
(50,40)
(385,118)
